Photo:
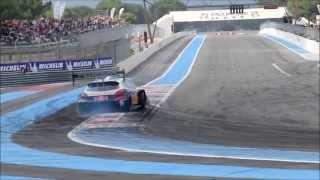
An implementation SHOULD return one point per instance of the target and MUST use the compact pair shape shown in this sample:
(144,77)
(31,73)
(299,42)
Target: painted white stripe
(72,134)
(74,138)
(280,70)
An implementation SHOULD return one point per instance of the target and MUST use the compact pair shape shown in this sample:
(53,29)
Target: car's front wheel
(142,99)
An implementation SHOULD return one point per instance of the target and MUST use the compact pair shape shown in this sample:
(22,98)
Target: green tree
(129,17)
(162,7)
(108,4)
(48,13)
(9,9)
(22,9)
(275,2)
(79,11)
(303,8)
(137,10)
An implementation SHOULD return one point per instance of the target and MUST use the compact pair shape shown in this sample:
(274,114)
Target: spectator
(49,30)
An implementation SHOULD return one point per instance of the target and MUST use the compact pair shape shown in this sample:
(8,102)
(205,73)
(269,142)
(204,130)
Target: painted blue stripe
(130,138)
(287,44)
(15,95)
(4,177)
(181,66)
(15,154)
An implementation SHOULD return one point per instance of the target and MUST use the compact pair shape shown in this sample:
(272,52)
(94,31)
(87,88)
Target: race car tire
(142,98)
(126,105)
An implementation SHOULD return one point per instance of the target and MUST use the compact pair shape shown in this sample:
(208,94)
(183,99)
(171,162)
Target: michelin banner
(69,65)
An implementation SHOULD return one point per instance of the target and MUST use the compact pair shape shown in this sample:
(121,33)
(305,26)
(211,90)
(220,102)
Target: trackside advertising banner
(57,65)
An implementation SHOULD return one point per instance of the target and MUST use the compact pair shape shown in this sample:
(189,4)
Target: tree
(275,2)
(9,9)
(79,11)
(48,13)
(129,17)
(162,7)
(108,4)
(22,9)
(303,8)
(137,10)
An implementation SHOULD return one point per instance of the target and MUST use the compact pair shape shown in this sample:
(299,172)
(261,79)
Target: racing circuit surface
(243,91)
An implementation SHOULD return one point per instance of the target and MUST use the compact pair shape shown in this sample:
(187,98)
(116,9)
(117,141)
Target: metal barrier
(307,32)
(104,42)
(36,48)
(18,79)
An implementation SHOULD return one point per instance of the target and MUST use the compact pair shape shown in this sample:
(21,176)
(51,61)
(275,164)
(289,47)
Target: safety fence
(118,49)
(106,42)
(39,72)
(312,33)
(35,78)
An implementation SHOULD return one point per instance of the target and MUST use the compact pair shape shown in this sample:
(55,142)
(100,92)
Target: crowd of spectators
(42,30)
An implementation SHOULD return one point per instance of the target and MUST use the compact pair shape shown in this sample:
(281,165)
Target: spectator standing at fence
(49,30)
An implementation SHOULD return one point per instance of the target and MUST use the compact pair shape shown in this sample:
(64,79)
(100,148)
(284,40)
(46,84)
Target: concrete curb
(312,47)
(134,61)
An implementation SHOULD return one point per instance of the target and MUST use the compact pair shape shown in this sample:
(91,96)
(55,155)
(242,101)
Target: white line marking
(74,138)
(280,70)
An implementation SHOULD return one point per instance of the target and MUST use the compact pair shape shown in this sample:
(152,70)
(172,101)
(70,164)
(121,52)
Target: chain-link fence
(312,33)
(117,49)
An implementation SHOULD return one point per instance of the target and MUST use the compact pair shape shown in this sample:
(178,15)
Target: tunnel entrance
(228,25)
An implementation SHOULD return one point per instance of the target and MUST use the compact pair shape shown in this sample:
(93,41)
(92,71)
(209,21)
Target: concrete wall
(135,60)
(224,14)
(307,44)
(205,20)
(165,24)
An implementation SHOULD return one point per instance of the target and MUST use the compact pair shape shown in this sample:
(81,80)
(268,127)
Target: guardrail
(36,48)
(18,79)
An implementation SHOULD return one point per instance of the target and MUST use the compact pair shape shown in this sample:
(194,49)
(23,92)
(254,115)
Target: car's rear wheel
(142,99)
(125,106)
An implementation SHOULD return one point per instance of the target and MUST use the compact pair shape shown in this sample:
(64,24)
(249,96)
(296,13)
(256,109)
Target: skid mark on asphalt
(12,153)
(128,140)
(156,94)
(158,90)
(15,154)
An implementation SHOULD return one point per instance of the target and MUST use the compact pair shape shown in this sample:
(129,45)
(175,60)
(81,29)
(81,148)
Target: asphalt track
(7,97)
(235,96)
(233,81)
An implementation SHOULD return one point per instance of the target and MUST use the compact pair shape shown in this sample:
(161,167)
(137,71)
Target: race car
(112,91)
